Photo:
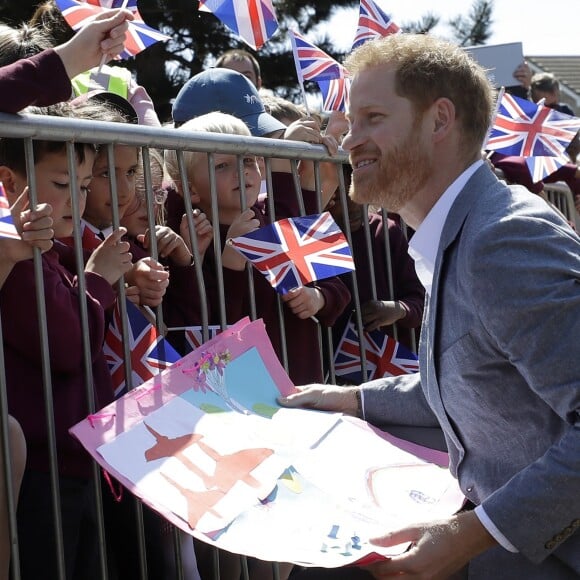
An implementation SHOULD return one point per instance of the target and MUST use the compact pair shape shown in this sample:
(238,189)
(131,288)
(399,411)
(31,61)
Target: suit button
(469,489)
(550,545)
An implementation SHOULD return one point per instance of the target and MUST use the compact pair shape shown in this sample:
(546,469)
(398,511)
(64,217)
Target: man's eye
(60,185)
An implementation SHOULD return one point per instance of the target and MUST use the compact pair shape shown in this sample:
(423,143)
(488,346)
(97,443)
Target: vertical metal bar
(46,372)
(389,260)
(7,466)
(126,350)
(249,267)
(197,262)
(87,359)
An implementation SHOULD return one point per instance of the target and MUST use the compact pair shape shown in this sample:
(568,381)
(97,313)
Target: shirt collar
(424,244)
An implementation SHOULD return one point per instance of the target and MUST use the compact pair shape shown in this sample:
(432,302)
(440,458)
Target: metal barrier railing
(30,128)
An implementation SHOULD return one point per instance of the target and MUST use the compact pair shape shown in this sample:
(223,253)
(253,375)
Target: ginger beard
(399,174)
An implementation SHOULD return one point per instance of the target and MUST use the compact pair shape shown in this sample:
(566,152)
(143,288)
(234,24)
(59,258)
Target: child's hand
(307,130)
(377,313)
(152,280)
(304,301)
(34,227)
(112,258)
(337,125)
(245,223)
(169,245)
(203,231)
(132,295)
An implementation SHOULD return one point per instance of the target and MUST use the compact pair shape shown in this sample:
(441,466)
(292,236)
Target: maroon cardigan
(23,355)
(40,80)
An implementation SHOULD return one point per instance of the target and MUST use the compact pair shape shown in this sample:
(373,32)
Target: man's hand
(105,35)
(324,398)
(438,548)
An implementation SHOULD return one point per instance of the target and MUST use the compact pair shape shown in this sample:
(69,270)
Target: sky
(551,30)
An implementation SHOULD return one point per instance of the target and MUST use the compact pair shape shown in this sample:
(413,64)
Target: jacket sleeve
(526,281)
(40,80)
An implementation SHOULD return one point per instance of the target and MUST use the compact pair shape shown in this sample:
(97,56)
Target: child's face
(135,217)
(54,187)
(227,184)
(99,210)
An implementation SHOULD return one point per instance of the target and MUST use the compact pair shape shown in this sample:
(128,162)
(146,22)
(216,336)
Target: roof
(565,68)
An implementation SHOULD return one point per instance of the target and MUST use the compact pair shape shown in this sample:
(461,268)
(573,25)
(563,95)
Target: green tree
(198,38)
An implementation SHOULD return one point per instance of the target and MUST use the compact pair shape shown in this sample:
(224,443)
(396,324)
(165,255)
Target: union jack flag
(294,251)
(150,352)
(194,335)
(525,129)
(139,36)
(372,23)
(541,167)
(254,21)
(7,227)
(384,356)
(313,64)
(335,94)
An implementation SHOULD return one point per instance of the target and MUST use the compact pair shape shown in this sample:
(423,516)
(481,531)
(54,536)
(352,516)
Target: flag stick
(299,72)
(104,57)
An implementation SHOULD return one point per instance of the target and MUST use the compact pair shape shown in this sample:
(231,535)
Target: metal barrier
(31,128)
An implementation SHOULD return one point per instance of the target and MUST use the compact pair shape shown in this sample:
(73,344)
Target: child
(24,359)
(35,230)
(325,300)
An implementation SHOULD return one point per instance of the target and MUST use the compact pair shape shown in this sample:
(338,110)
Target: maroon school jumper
(406,285)
(302,342)
(40,80)
(23,356)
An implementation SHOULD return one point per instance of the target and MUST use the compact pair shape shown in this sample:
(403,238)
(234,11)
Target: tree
(198,38)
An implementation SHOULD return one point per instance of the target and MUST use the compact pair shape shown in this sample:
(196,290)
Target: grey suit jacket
(500,373)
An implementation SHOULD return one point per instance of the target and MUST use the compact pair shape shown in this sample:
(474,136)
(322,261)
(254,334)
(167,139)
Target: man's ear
(7,178)
(443,118)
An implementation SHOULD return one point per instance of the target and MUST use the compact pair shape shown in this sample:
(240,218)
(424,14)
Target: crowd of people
(502,294)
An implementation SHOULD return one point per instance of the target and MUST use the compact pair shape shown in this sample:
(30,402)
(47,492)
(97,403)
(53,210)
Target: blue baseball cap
(227,91)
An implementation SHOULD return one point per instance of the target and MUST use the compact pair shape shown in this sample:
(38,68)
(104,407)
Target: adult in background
(502,274)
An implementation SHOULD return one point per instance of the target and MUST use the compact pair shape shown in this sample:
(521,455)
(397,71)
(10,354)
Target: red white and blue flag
(7,227)
(150,352)
(372,23)
(194,335)
(525,129)
(335,94)
(295,251)
(542,167)
(254,21)
(139,36)
(313,64)
(384,356)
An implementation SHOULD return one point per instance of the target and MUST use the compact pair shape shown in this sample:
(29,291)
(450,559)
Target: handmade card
(206,444)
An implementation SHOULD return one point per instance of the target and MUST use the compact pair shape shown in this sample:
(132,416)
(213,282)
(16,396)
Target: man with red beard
(501,272)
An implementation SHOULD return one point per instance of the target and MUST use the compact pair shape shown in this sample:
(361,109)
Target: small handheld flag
(150,352)
(139,36)
(7,227)
(384,356)
(254,21)
(524,129)
(372,23)
(335,94)
(295,251)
